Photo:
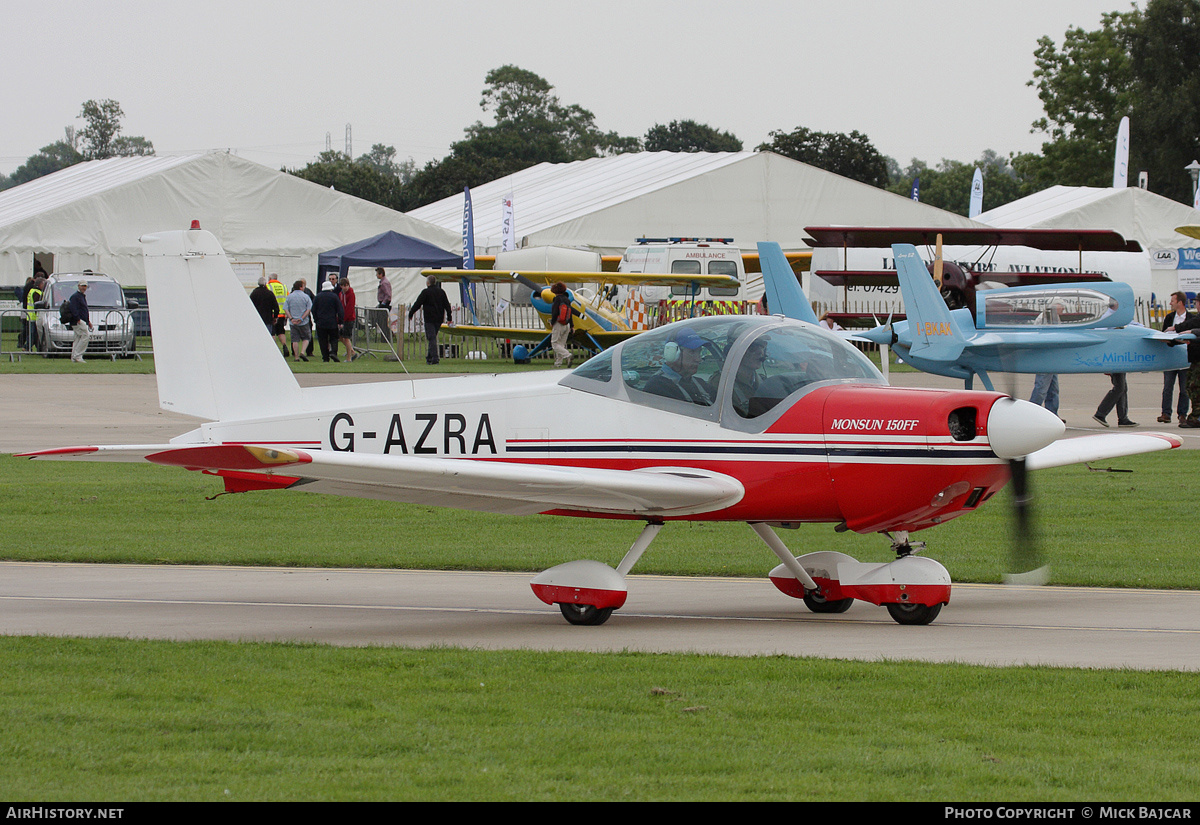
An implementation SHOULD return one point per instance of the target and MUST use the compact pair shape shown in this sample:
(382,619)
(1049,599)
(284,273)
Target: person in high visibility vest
(31,298)
(280,292)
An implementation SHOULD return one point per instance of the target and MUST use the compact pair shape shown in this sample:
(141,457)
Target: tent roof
(606,203)
(1138,215)
(95,212)
(387,249)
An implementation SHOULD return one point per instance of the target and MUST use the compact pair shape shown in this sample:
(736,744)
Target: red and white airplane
(764,420)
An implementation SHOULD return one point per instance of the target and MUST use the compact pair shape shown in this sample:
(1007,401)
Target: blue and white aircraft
(1065,328)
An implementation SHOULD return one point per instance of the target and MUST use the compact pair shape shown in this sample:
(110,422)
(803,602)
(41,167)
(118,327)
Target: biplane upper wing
(548,277)
(882,237)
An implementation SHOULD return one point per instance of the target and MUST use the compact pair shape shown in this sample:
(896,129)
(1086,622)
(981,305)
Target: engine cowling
(906,459)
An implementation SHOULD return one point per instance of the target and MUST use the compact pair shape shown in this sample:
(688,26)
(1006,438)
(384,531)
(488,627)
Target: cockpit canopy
(734,369)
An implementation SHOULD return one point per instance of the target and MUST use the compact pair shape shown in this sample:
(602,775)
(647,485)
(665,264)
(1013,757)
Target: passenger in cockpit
(745,383)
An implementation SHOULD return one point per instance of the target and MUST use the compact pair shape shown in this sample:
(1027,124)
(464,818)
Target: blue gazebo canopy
(386,249)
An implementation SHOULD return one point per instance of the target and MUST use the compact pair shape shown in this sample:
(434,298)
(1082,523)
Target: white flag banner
(976,194)
(507,228)
(1121,164)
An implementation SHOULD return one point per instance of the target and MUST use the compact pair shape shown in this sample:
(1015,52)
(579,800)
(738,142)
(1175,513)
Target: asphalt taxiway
(984,624)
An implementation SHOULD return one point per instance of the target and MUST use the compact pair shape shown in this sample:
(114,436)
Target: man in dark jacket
(81,321)
(327,316)
(436,307)
(265,302)
(1192,324)
(1177,315)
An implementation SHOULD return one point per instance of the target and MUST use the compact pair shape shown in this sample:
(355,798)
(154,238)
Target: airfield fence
(391,335)
(16,341)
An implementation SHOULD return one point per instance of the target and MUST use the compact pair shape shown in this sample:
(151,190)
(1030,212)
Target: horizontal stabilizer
(113,452)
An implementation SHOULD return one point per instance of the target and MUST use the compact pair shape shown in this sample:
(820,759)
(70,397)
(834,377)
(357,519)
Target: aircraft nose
(1016,428)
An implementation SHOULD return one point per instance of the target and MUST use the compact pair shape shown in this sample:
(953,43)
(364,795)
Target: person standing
(265,304)
(81,321)
(298,307)
(383,295)
(561,324)
(436,310)
(280,292)
(1174,318)
(31,299)
(1045,391)
(311,298)
(1192,324)
(348,317)
(327,318)
(23,301)
(1117,397)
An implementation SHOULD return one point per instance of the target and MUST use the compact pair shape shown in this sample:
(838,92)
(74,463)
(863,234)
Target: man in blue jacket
(81,321)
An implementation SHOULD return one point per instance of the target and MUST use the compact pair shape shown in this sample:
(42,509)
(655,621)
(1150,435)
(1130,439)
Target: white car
(111,314)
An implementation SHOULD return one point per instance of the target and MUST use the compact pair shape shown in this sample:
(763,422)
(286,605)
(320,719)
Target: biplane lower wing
(603,339)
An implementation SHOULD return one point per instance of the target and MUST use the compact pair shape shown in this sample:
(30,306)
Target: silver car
(111,314)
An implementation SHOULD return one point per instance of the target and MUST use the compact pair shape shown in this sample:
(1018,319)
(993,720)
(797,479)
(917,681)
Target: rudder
(213,356)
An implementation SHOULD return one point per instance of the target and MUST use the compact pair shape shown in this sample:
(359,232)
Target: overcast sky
(928,79)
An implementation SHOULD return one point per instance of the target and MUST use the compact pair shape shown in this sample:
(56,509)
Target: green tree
(360,178)
(1164,59)
(101,136)
(50,158)
(852,156)
(1144,64)
(531,127)
(689,136)
(948,186)
(1086,87)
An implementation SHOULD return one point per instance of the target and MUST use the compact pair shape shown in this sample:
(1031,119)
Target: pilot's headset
(671,353)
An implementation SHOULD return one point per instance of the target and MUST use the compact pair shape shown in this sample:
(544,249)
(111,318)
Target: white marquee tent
(91,215)
(605,204)
(1137,214)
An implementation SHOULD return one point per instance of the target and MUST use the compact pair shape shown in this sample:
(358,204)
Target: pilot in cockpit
(677,376)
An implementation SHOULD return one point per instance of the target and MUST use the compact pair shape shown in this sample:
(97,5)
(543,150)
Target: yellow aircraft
(597,323)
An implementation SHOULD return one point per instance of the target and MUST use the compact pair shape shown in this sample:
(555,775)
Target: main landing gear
(912,588)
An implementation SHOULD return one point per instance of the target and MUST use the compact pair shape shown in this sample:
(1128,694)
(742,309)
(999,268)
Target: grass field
(127,720)
(117,720)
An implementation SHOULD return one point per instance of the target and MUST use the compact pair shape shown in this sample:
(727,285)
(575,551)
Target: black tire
(914,613)
(819,604)
(585,614)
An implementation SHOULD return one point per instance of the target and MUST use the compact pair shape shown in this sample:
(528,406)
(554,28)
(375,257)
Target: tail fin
(934,333)
(213,356)
(784,295)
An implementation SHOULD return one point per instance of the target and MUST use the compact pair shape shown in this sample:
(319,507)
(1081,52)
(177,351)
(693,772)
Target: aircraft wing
(551,277)
(1099,447)
(489,486)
